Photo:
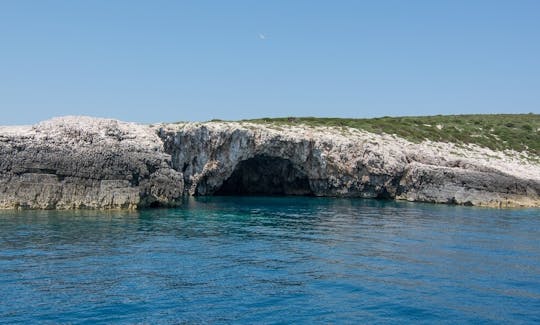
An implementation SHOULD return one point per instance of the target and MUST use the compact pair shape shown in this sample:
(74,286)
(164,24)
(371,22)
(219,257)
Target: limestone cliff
(80,162)
(245,158)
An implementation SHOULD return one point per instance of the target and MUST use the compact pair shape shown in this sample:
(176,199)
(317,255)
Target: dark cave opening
(264,175)
(155,204)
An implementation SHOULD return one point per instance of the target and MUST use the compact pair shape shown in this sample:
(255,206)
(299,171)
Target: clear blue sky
(149,61)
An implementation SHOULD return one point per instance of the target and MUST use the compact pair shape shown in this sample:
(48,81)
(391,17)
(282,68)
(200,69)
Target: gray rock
(244,158)
(81,162)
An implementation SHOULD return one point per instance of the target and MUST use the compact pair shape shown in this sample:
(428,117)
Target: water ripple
(272,260)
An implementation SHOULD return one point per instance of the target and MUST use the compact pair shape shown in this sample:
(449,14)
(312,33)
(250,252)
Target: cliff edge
(82,162)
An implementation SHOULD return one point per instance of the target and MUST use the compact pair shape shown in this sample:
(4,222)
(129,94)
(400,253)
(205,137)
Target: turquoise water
(272,260)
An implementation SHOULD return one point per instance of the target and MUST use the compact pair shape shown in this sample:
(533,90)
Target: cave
(264,175)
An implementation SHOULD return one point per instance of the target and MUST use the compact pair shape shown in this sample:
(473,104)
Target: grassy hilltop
(519,132)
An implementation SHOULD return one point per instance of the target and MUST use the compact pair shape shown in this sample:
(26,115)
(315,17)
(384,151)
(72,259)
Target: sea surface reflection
(271,260)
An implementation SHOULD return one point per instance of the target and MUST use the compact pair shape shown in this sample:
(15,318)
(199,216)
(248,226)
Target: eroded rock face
(80,162)
(245,158)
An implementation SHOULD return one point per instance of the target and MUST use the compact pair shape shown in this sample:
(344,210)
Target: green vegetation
(519,132)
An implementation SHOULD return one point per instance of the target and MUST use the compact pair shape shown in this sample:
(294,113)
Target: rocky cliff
(80,162)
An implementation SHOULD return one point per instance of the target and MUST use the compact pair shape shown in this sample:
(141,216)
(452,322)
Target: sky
(151,61)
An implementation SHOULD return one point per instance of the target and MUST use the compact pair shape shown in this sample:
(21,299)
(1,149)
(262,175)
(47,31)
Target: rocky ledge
(82,162)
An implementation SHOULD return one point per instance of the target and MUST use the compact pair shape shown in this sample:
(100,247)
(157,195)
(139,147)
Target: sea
(272,260)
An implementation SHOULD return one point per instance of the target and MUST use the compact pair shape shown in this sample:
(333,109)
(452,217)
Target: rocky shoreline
(83,162)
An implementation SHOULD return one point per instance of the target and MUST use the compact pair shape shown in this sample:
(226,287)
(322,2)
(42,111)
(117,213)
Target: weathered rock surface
(245,158)
(81,162)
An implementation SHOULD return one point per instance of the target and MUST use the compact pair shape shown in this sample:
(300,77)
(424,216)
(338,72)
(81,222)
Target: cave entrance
(264,175)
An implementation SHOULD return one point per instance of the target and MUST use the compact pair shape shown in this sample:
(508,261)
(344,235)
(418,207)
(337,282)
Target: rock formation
(240,158)
(80,162)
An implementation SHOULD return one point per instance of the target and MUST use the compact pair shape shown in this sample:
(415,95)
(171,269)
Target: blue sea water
(272,260)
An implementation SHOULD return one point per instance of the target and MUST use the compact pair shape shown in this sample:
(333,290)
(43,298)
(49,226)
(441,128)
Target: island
(77,162)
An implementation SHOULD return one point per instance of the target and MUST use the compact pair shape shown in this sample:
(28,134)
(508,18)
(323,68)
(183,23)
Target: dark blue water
(272,260)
